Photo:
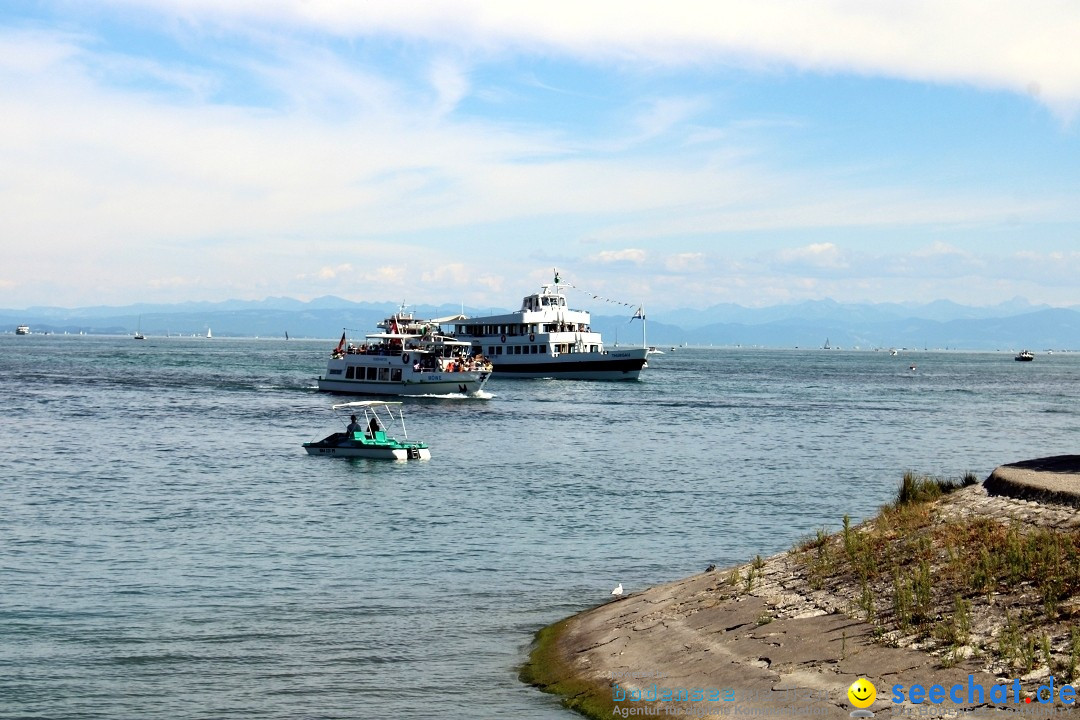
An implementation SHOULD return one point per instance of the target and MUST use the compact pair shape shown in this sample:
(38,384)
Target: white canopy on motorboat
(365,404)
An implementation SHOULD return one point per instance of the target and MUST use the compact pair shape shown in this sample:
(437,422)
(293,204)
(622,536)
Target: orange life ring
(405,358)
(532,337)
(504,338)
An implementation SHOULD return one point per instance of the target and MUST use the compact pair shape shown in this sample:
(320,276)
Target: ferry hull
(435,384)
(369,452)
(622,365)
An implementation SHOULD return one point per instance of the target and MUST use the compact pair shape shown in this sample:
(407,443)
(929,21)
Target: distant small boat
(209,334)
(138,330)
(22,330)
(653,350)
(827,346)
(1024,356)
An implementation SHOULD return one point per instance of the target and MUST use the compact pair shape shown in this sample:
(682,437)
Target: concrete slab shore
(1054,480)
(778,646)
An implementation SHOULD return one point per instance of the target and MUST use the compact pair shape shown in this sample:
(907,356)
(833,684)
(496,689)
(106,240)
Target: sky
(675,154)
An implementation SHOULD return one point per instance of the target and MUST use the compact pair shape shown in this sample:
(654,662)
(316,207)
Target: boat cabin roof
(441,339)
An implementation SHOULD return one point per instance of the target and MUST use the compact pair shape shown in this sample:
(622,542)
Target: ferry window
(395,375)
(335,371)
(349,372)
(384,374)
(371,373)
(491,349)
(498,349)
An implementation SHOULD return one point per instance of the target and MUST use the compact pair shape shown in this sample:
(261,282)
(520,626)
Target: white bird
(617,592)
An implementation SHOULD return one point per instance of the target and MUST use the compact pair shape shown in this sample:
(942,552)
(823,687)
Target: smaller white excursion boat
(412,357)
(368,438)
(22,330)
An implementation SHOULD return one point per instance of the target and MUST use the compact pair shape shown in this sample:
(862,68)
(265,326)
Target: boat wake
(479,395)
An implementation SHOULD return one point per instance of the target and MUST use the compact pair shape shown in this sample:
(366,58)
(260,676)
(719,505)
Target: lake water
(168,550)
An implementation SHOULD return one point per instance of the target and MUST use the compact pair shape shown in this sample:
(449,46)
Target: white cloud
(1025,47)
(450,83)
(939,250)
(109,159)
(329,273)
(819,255)
(683,262)
(636,257)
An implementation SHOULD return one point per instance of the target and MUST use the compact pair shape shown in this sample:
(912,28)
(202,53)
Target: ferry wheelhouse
(547,339)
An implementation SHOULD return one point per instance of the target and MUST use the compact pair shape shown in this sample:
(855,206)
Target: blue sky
(672,154)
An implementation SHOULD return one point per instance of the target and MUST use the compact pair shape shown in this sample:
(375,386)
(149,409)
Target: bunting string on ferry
(639,311)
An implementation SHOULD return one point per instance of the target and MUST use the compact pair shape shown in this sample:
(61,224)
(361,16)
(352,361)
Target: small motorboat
(1025,356)
(371,441)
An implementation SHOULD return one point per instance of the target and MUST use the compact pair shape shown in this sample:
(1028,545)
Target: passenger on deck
(373,427)
(354,427)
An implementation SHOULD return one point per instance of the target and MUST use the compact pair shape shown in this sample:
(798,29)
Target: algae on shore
(548,670)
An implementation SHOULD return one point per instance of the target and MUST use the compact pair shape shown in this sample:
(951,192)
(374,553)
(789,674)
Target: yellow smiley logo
(862,693)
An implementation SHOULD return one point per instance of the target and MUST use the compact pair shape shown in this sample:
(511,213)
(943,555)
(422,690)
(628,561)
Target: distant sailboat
(827,346)
(208,334)
(286,334)
(138,330)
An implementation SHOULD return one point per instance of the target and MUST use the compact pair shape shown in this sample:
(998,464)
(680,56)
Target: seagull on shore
(618,591)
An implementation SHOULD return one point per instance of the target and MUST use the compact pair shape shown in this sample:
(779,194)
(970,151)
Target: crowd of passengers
(425,362)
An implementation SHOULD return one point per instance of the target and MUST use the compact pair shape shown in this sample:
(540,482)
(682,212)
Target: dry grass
(971,587)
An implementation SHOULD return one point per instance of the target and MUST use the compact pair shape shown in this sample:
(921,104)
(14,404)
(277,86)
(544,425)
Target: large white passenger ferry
(546,339)
(412,357)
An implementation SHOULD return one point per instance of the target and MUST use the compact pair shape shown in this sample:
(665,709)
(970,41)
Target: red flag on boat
(393,326)
(341,345)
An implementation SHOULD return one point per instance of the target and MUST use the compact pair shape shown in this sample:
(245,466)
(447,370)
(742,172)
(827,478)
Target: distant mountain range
(1015,324)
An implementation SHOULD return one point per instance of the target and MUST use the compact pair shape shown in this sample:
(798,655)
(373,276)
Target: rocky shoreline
(788,635)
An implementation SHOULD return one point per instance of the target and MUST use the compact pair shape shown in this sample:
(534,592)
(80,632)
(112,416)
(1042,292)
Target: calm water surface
(167,549)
